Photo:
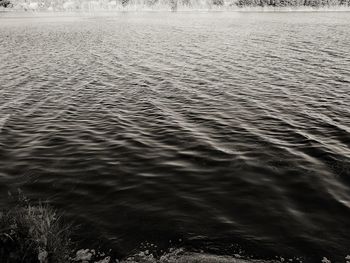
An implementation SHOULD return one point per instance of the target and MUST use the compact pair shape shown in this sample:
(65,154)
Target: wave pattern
(207,127)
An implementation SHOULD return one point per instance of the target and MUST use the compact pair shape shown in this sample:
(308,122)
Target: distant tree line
(291,3)
(173,4)
(243,3)
(61,5)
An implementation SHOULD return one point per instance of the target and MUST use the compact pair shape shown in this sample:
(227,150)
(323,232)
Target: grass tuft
(33,233)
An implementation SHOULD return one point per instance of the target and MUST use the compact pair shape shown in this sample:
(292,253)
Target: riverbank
(37,233)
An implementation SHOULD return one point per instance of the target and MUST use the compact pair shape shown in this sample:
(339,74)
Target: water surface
(217,131)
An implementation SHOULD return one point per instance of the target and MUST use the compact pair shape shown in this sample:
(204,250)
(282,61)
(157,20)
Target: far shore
(20,12)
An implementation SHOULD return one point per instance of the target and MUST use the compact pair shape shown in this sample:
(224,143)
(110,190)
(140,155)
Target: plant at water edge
(31,233)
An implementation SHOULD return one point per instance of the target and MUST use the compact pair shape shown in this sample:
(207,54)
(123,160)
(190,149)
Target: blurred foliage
(5,3)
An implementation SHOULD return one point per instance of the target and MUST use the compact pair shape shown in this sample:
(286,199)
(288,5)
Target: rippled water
(218,129)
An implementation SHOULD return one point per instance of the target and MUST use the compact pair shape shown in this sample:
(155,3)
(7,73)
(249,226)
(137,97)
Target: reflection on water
(216,128)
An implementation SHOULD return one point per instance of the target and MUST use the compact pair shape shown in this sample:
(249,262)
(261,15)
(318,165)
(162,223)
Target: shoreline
(37,231)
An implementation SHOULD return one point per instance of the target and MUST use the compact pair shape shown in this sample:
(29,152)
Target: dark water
(219,129)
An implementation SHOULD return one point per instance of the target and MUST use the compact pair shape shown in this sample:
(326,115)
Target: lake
(227,132)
